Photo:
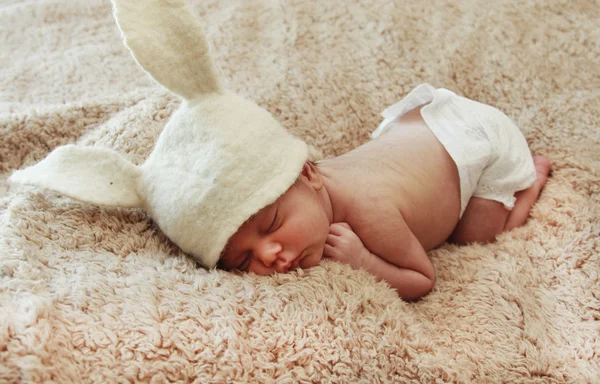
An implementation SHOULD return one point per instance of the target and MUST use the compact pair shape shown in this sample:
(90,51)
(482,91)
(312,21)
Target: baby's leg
(484,219)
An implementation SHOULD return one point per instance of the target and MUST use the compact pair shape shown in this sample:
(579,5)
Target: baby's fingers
(329,252)
(339,228)
(332,240)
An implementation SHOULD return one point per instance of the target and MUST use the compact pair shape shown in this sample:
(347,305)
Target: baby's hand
(345,246)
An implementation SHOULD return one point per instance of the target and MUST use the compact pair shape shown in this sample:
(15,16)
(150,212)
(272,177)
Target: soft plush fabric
(92,294)
(217,162)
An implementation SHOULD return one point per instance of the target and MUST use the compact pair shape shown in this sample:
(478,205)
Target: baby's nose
(268,252)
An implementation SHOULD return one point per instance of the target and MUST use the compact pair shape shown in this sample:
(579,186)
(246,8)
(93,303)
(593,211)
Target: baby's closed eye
(275,222)
(246,258)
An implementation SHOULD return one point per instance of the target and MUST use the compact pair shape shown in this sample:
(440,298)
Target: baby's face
(285,235)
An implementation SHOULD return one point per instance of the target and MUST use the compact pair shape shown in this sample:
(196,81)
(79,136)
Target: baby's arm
(396,256)
(409,283)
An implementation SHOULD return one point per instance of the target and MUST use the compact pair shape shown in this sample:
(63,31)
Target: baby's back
(406,168)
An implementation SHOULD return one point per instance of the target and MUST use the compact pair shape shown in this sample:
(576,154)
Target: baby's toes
(542,166)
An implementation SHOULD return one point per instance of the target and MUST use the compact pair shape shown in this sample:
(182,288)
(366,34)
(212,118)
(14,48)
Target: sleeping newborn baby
(230,186)
(440,167)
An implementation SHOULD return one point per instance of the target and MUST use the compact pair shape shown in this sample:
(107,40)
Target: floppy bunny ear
(90,174)
(168,42)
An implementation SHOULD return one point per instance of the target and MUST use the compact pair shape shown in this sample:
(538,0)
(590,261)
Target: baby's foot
(542,169)
(528,197)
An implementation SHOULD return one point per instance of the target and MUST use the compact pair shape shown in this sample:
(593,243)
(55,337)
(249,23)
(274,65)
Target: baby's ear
(312,174)
(94,175)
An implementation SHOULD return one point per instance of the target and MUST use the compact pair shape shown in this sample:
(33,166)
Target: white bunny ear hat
(219,160)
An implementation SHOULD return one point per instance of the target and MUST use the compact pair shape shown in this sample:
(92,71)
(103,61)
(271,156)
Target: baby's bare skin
(386,203)
(400,195)
(403,175)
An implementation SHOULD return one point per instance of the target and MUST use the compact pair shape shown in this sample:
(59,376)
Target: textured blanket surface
(92,294)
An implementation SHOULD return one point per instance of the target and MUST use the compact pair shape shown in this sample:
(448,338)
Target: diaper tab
(421,95)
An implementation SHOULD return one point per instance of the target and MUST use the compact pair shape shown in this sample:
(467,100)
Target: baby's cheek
(259,268)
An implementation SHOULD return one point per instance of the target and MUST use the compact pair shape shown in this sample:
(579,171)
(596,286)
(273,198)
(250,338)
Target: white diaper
(490,152)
